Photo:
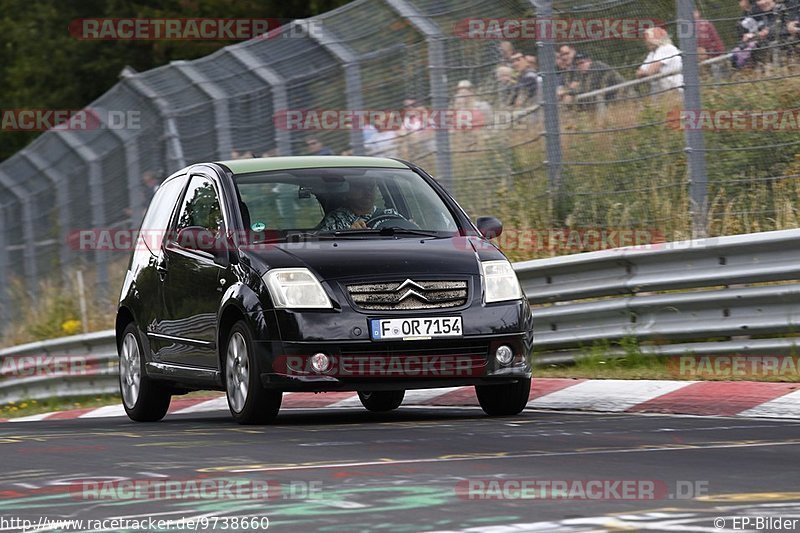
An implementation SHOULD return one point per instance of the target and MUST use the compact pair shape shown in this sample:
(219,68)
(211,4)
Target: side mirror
(490,227)
(200,239)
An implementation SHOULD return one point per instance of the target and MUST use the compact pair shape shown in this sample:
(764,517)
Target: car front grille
(409,295)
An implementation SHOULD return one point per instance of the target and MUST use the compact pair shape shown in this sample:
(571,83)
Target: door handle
(161,268)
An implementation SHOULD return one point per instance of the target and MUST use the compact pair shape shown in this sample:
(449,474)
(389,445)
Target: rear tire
(381,401)
(504,400)
(144,399)
(248,401)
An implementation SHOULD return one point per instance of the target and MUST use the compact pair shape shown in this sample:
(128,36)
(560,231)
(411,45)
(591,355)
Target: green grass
(35,407)
(595,363)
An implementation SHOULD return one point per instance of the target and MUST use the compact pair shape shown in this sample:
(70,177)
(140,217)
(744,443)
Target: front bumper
(392,365)
(360,363)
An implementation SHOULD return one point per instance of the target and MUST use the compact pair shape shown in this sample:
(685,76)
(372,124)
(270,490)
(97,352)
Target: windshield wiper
(384,232)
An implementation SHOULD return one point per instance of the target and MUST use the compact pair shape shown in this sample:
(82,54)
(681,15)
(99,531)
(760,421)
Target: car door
(192,284)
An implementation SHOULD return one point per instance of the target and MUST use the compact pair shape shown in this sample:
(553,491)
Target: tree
(42,66)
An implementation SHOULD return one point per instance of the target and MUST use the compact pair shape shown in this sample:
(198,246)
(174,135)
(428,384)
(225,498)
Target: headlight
(500,282)
(296,288)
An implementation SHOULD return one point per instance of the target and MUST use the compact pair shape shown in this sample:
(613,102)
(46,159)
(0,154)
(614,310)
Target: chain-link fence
(601,115)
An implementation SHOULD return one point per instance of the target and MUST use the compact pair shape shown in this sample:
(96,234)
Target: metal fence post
(552,120)
(96,201)
(437,71)
(4,268)
(222,115)
(352,77)
(29,236)
(695,140)
(171,134)
(133,170)
(280,99)
(61,186)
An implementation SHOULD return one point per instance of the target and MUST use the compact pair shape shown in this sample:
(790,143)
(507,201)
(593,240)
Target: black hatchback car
(315,274)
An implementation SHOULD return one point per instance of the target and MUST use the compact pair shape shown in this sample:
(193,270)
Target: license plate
(416,328)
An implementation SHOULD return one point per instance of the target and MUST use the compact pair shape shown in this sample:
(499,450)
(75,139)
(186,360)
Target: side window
(201,206)
(158,214)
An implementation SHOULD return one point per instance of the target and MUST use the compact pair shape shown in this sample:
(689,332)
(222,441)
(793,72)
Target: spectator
(416,134)
(709,43)
(527,80)
(506,85)
(315,147)
(746,29)
(663,58)
(379,141)
(465,99)
(777,22)
(506,52)
(592,76)
(414,116)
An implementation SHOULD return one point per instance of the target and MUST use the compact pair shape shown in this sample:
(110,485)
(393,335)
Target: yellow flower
(71,327)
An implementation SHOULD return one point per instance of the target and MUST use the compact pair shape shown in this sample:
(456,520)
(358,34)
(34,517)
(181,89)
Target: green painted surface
(245,166)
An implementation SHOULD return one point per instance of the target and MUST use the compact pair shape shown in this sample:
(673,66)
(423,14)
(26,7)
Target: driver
(358,208)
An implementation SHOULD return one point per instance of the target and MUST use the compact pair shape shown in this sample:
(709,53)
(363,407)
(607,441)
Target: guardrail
(725,295)
(65,368)
(735,294)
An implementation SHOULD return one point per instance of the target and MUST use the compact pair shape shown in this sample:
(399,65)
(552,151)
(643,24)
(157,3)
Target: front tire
(248,401)
(504,400)
(143,398)
(381,401)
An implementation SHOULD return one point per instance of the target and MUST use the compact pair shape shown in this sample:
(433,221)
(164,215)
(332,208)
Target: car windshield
(341,202)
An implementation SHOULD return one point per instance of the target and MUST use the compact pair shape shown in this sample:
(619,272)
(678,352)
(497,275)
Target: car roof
(265,164)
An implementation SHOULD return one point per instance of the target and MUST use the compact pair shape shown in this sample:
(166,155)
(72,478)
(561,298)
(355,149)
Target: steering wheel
(390,221)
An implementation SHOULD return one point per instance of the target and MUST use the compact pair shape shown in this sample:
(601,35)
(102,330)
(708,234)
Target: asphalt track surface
(406,470)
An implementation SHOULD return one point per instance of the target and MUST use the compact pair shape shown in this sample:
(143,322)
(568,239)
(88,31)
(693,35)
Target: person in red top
(709,43)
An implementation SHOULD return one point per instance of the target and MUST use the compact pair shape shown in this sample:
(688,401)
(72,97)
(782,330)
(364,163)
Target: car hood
(347,258)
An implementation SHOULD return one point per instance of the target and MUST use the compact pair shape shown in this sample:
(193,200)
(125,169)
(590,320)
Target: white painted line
(351,401)
(423,396)
(612,395)
(216,404)
(786,406)
(30,418)
(412,397)
(105,412)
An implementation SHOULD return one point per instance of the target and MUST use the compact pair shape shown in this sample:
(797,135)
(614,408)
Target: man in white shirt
(664,58)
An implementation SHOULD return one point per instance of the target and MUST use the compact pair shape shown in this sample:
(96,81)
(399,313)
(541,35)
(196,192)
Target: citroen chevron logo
(410,283)
(413,288)
(411,292)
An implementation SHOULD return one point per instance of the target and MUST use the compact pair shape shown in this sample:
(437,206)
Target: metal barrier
(74,366)
(734,294)
(726,295)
